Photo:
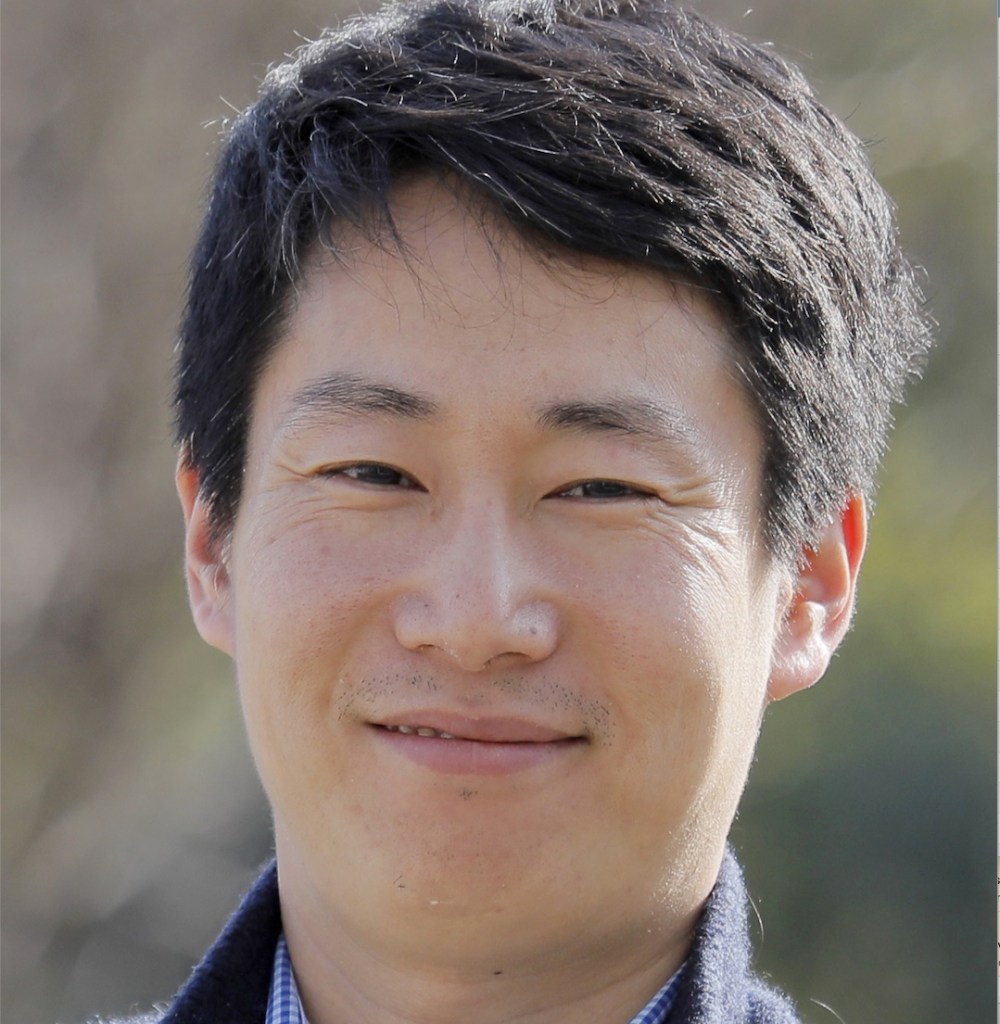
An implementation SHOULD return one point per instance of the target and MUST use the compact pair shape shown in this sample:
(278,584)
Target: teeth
(421,730)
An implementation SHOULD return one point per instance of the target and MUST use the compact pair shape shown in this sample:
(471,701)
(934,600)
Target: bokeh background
(132,818)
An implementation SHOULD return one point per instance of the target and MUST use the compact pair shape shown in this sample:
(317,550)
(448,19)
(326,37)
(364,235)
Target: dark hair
(633,130)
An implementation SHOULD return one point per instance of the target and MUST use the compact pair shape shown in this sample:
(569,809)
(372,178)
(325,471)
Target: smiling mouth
(477,747)
(428,732)
(420,730)
(446,725)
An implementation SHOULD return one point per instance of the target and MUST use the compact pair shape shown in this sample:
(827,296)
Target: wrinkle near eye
(603,490)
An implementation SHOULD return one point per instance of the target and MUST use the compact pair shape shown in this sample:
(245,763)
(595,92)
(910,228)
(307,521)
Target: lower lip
(472,757)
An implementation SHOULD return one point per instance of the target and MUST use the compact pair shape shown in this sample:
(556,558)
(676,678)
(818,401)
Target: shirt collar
(285,1007)
(283,1004)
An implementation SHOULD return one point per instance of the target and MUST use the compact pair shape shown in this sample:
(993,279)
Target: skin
(511,536)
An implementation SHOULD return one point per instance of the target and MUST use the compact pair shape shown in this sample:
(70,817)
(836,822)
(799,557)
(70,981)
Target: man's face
(517,503)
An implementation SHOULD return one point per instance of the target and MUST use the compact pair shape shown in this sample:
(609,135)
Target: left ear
(820,609)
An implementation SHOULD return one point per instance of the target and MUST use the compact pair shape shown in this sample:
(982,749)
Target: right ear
(207,573)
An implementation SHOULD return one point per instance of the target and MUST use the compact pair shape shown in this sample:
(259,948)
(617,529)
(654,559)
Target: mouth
(450,725)
(419,730)
(460,744)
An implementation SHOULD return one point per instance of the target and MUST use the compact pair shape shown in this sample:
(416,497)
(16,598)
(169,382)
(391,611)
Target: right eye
(376,474)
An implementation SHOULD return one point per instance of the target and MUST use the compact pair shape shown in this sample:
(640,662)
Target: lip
(481,746)
(486,729)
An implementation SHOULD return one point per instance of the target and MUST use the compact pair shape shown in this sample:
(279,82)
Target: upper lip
(485,729)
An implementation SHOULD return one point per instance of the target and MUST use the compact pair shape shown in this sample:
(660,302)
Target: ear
(819,611)
(205,565)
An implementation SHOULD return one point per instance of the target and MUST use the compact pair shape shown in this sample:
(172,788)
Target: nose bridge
(479,551)
(479,595)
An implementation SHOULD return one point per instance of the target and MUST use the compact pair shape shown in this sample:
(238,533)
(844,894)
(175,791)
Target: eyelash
(354,472)
(379,474)
(626,492)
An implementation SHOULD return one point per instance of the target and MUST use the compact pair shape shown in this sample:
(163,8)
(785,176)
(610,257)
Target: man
(537,362)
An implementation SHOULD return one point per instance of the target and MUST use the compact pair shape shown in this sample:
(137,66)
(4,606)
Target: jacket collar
(232,982)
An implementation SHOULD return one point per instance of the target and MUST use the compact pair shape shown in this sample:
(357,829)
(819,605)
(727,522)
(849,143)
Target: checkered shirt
(285,1007)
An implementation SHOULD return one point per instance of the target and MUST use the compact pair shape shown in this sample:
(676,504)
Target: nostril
(476,634)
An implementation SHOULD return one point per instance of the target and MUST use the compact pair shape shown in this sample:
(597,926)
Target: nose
(478,600)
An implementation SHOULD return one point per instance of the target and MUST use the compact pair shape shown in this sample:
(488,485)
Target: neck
(343,975)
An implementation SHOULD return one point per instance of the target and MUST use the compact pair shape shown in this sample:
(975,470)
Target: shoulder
(151,1017)
(769,1006)
(719,983)
(232,982)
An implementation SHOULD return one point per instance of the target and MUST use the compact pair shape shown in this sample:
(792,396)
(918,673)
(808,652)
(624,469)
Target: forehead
(463,312)
(454,259)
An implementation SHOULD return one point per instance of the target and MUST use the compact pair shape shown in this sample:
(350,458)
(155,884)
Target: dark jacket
(231,984)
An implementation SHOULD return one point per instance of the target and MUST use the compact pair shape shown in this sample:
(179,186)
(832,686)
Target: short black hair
(630,129)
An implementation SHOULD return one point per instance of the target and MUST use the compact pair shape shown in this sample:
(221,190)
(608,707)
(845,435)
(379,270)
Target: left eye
(598,489)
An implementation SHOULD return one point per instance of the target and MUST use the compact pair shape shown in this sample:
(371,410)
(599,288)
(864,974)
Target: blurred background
(132,817)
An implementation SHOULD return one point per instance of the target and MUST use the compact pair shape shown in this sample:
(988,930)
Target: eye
(376,474)
(607,490)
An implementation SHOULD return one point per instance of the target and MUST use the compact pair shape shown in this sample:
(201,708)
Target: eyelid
(634,491)
(630,491)
(342,470)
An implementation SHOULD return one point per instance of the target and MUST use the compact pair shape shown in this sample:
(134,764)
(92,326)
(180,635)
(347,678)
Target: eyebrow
(639,418)
(341,393)
(344,393)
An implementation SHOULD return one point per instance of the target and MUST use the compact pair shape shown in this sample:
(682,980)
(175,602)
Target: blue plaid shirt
(285,1007)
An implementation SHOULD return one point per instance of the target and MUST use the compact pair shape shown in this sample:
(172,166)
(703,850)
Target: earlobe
(819,612)
(206,569)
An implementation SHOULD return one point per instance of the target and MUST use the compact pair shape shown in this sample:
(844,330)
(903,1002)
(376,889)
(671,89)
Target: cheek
(307,607)
(688,652)
(306,575)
